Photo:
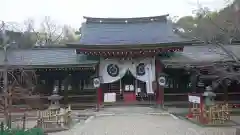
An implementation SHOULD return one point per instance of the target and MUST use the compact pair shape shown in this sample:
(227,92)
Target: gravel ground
(137,121)
(142,125)
(29,124)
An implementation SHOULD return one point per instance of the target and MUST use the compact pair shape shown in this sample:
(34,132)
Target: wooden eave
(89,65)
(132,46)
(192,64)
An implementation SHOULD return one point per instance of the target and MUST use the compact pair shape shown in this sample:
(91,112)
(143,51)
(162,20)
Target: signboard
(194,99)
(96,82)
(109,97)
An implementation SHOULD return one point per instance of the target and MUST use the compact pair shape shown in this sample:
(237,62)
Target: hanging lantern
(162,80)
(96,82)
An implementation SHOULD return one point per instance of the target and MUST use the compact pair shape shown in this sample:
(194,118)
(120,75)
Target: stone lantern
(209,97)
(54,101)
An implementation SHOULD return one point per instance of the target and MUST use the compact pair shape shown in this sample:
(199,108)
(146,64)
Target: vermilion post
(201,110)
(159,91)
(189,109)
(160,96)
(99,98)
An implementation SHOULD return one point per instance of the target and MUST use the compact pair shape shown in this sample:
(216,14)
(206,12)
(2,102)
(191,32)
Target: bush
(33,131)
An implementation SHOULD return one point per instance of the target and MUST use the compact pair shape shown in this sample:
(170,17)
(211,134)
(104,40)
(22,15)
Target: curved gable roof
(128,31)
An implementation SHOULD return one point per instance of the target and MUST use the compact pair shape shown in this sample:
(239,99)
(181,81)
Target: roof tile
(45,56)
(132,33)
(198,54)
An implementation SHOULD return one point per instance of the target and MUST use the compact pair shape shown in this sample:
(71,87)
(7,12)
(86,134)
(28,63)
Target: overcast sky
(71,11)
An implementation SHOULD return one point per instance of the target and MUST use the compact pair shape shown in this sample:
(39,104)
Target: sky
(71,11)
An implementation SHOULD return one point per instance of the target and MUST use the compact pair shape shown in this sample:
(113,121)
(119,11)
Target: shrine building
(128,55)
(127,50)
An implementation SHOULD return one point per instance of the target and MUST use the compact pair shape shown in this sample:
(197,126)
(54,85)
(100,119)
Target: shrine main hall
(130,59)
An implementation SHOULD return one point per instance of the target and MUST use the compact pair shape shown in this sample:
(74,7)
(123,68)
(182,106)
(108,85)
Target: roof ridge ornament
(162,18)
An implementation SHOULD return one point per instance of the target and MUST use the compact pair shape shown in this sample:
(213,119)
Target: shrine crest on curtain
(112,70)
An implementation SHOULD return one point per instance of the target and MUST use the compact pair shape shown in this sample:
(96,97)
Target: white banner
(129,65)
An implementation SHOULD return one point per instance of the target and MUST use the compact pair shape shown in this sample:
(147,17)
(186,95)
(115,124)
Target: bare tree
(217,28)
(50,33)
(69,35)
(20,85)
(17,81)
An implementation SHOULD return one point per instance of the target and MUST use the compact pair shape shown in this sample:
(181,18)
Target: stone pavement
(140,121)
(118,110)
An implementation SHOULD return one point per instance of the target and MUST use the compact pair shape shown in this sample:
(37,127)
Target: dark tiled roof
(150,32)
(45,57)
(67,56)
(198,54)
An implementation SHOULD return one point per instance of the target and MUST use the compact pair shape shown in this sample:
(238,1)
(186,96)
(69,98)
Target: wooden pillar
(74,83)
(77,82)
(51,85)
(47,86)
(194,81)
(60,86)
(160,89)
(66,84)
(99,91)
(99,97)
(225,91)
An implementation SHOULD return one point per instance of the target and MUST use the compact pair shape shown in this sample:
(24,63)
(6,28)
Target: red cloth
(100,97)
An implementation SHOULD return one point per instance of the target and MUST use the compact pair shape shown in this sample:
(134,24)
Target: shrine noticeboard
(194,99)
(109,97)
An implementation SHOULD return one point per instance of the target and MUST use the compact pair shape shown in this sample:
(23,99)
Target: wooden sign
(109,97)
(194,99)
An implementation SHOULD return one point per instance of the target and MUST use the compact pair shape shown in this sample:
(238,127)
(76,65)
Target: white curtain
(106,78)
(131,65)
(149,75)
